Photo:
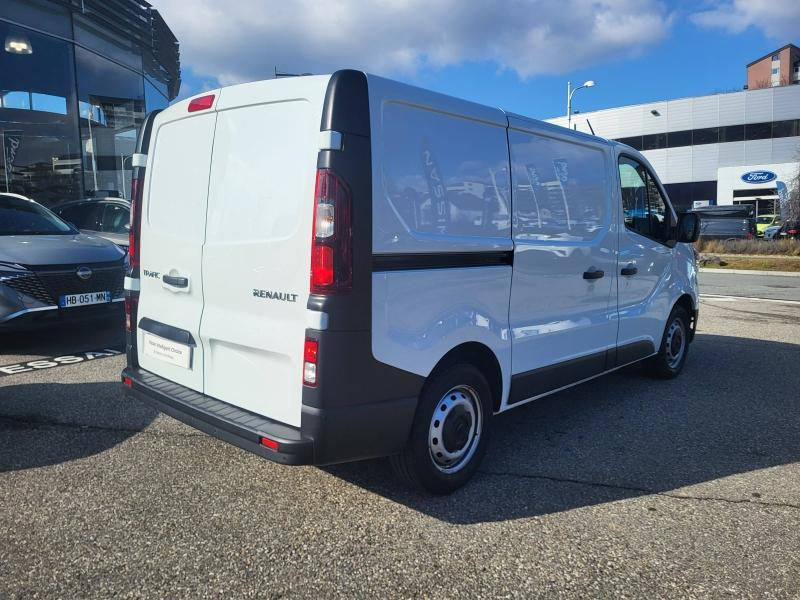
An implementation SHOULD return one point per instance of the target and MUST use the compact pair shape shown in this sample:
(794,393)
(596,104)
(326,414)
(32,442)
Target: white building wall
(704,162)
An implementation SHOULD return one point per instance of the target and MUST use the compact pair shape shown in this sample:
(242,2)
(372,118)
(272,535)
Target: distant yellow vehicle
(764,221)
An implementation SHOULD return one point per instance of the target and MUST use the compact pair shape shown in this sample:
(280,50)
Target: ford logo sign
(759,177)
(84,273)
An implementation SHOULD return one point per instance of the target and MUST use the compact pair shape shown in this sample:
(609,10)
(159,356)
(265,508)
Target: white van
(332,268)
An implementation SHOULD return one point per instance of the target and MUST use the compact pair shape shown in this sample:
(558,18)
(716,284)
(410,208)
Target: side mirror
(688,229)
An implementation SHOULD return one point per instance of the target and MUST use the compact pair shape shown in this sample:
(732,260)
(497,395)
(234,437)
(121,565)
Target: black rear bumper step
(220,419)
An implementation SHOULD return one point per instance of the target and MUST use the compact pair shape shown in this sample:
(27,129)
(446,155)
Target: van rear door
(257,251)
(172,236)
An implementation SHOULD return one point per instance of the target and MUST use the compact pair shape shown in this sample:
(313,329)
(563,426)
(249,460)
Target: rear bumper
(325,436)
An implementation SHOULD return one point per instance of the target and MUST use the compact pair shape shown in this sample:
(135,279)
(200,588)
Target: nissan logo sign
(759,177)
(84,273)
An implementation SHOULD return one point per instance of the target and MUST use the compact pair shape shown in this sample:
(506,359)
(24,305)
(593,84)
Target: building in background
(718,149)
(781,67)
(76,80)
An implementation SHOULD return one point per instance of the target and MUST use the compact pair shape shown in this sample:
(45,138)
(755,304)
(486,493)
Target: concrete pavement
(623,487)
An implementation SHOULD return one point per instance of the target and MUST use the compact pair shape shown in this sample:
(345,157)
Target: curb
(746,272)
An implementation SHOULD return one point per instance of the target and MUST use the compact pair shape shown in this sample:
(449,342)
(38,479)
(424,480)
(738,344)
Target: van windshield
(25,217)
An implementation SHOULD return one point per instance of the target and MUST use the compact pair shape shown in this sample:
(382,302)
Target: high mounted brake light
(201,103)
(332,236)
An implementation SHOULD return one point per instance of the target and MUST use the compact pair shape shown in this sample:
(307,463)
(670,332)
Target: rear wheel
(450,430)
(671,357)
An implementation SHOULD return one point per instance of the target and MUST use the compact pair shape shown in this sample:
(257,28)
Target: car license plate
(71,300)
(168,351)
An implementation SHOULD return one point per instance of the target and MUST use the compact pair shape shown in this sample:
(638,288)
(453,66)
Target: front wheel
(671,357)
(450,431)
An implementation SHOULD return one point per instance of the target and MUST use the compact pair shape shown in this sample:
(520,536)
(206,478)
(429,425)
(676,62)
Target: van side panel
(258,244)
(441,227)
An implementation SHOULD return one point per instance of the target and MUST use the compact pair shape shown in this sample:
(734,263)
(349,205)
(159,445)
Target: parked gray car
(49,271)
(104,217)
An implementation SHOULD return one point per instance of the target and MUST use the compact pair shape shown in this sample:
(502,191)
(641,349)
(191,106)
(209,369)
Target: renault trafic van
(333,268)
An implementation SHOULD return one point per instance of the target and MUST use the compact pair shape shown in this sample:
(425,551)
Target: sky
(514,54)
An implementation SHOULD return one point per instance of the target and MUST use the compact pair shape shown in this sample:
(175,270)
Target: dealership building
(730,148)
(76,80)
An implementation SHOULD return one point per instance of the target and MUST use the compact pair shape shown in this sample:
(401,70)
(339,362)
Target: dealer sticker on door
(168,351)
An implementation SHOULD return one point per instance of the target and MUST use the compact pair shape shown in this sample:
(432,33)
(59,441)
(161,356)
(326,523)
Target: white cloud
(241,40)
(777,19)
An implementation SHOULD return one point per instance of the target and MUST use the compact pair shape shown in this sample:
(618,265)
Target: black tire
(669,361)
(456,389)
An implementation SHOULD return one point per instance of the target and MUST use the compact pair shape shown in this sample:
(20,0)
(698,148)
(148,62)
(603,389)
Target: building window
(111,105)
(37,118)
(757,131)
(775,71)
(654,141)
(789,128)
(708,135)
(676,139)
(731,133)
(634,142)
(776,57)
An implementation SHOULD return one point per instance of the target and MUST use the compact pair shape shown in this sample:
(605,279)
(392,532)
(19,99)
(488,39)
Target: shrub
(765,247)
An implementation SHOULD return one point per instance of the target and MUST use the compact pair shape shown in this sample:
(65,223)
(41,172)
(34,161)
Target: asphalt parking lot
(624,487)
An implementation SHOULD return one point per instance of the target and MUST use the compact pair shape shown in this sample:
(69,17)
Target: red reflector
(271,444)
(321,266)
(127,381)
(201,103)
(310,351)
(131,308)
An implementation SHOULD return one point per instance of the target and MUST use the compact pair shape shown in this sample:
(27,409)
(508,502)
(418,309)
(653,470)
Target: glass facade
(73,94)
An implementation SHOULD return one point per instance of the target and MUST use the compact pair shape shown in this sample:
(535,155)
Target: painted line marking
(724,298)
(56,361)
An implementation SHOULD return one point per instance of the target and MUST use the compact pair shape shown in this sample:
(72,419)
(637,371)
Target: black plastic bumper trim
(236,426)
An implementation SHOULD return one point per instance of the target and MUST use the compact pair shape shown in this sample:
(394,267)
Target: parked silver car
(50,271)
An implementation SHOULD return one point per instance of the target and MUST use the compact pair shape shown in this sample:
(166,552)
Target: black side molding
(441,260)
(553,377)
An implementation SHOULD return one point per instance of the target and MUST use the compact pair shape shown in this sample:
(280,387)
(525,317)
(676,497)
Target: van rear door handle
(593,274)
(178,282)
(629,270)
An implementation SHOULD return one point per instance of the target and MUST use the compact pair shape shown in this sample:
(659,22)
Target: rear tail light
(332,236)
(131,309)
(136,219)
(310,352)
(127,381)
(201,103)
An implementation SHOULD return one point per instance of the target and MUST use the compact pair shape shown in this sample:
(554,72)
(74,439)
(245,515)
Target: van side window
(442,176)
(560,188)
(643,207)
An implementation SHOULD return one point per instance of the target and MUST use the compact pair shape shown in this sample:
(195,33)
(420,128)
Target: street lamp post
(570,93)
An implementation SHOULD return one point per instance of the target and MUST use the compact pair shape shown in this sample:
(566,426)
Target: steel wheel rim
(675,343)
(455,429)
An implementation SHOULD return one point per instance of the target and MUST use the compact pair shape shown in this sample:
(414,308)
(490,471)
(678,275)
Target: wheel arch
(687,303)
(480,356)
